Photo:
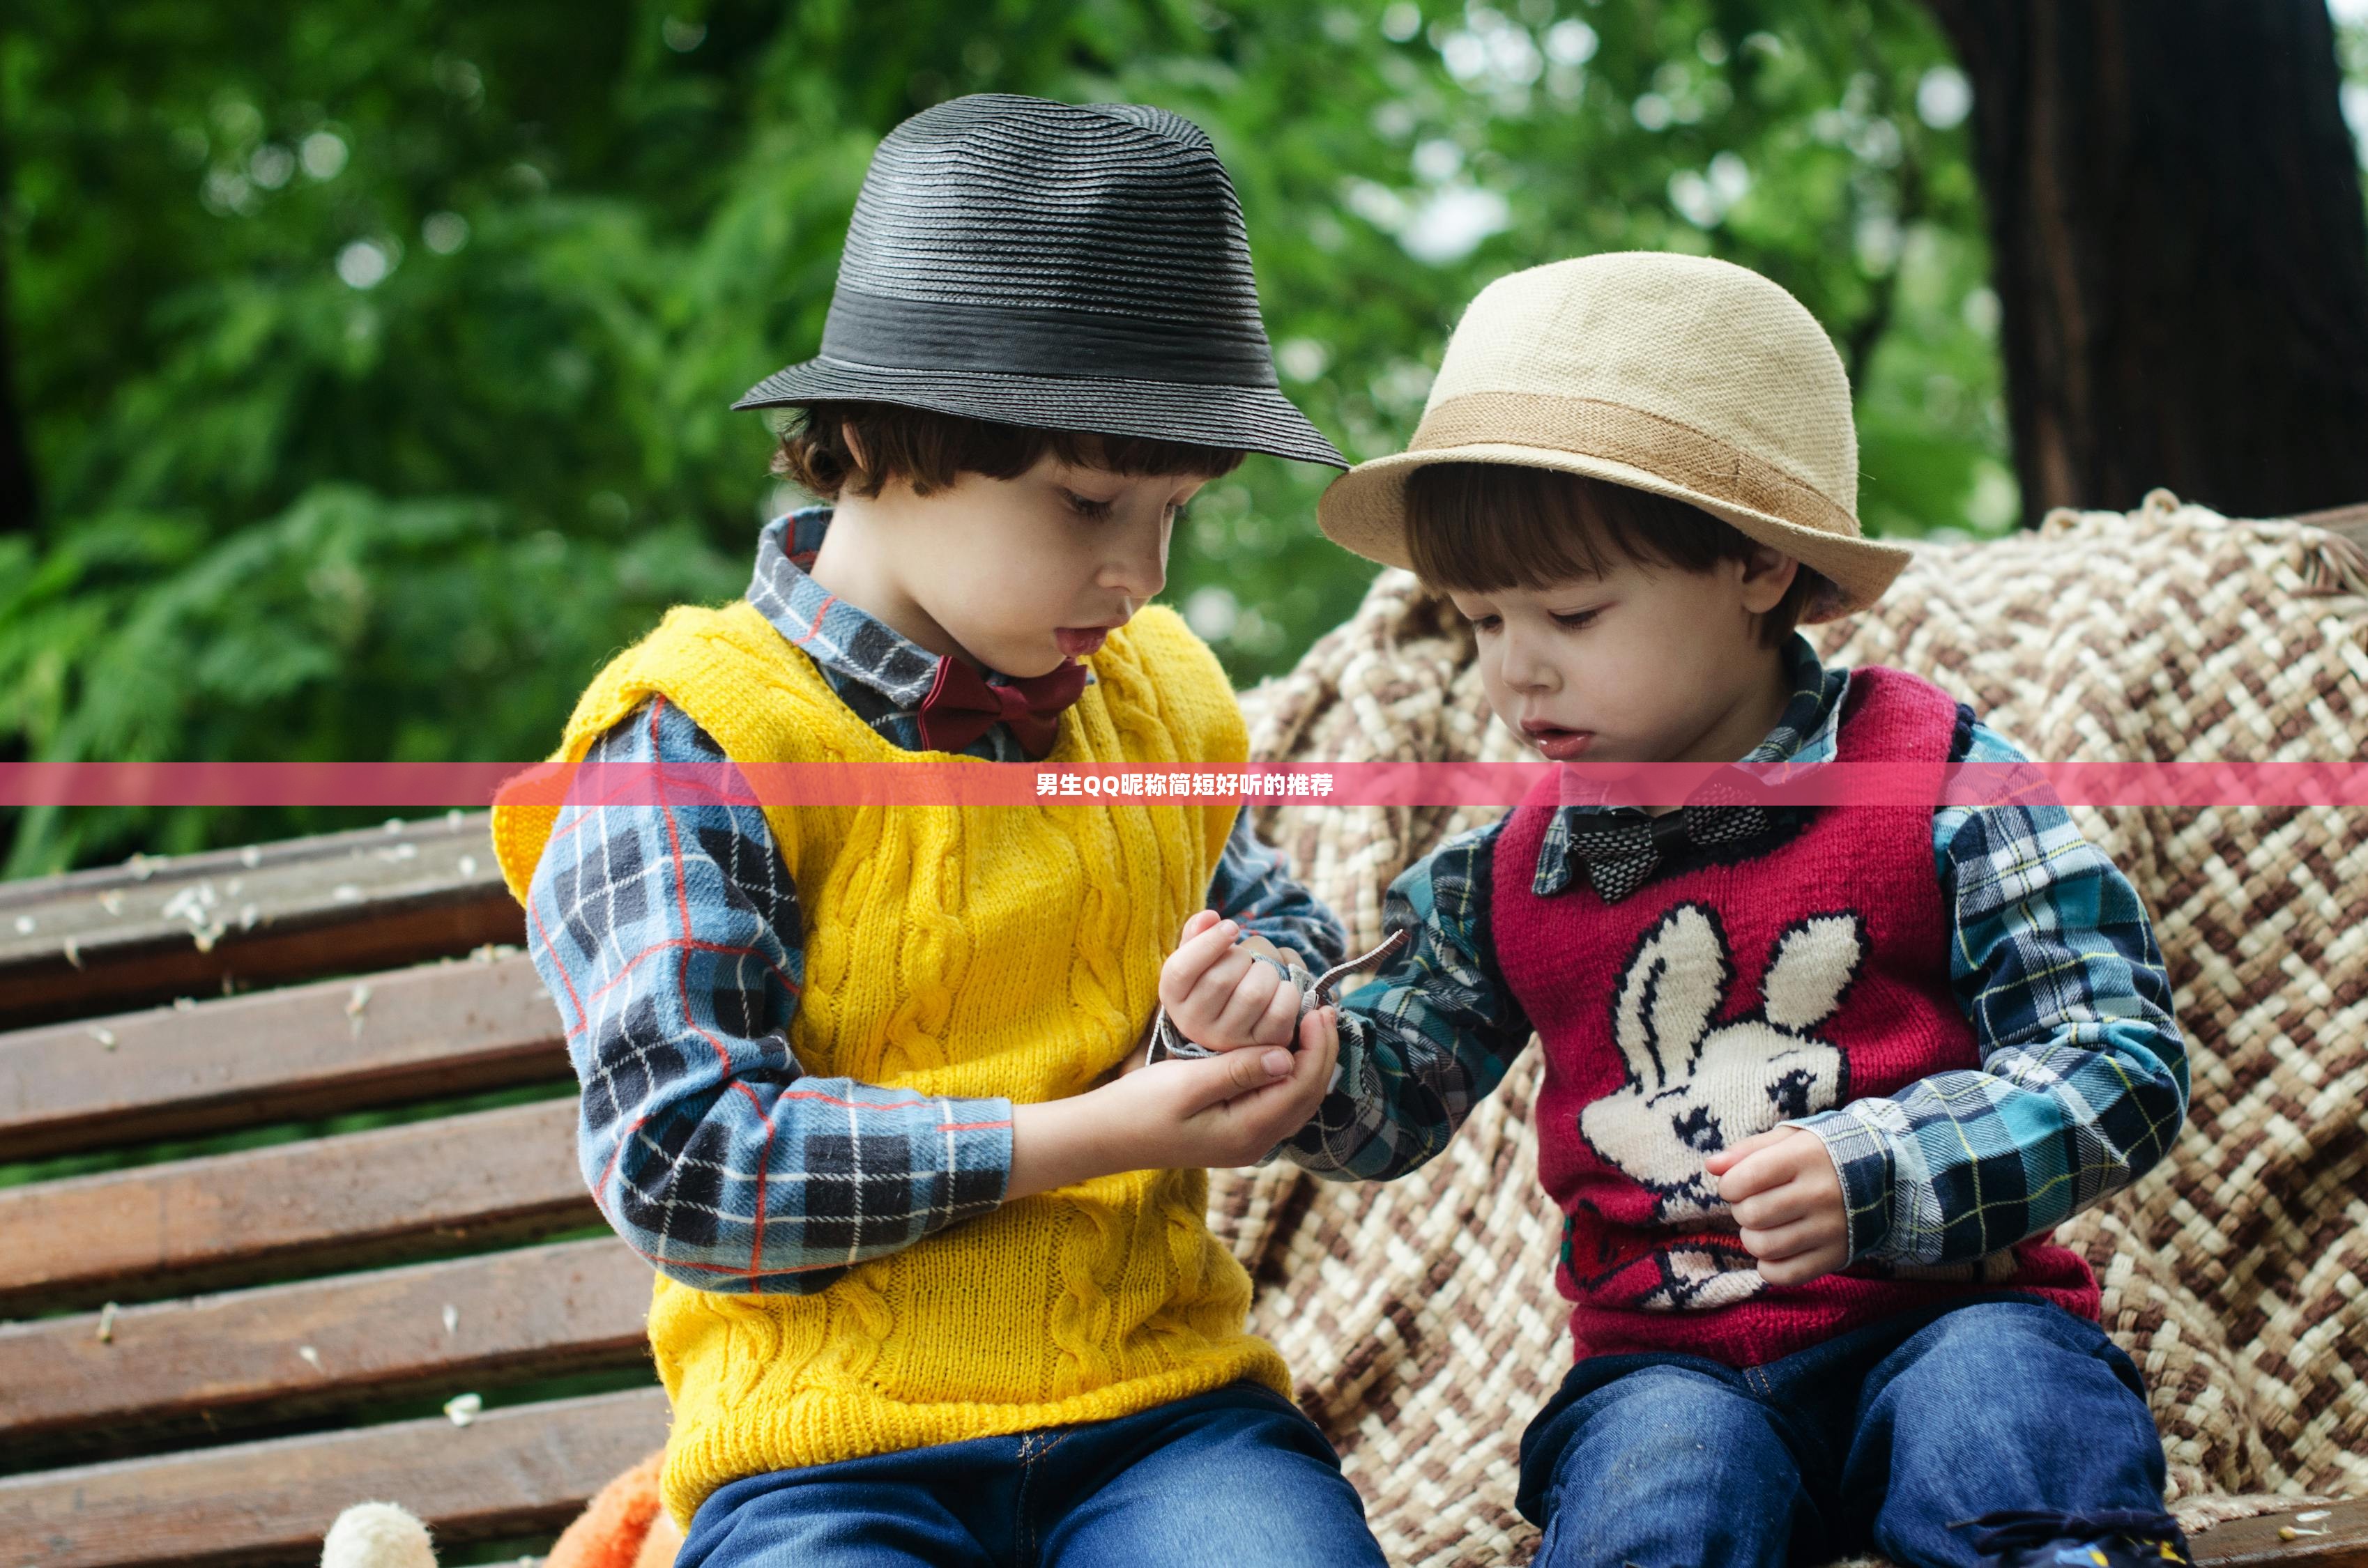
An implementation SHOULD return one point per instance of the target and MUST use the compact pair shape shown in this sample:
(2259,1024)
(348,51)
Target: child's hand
(1218,995)
(1229,1109)
(1787,1198)
(1226,1109)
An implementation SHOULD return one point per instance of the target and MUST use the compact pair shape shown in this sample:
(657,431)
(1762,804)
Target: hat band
(935,335)
(1616,432)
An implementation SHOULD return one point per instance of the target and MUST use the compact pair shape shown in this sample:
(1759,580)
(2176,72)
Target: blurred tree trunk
(2179,248)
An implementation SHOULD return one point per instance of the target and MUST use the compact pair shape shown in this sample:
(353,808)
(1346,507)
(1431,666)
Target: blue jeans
(1878,1439)
(1236,1476)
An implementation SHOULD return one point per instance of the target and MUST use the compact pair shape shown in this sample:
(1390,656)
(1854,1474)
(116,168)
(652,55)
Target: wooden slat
(154,929)
(442,1029)
(2256,1543)
(167,1371)
(509,1473)
(364,1198)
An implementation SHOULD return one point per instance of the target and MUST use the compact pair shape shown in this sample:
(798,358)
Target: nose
(1137,563)
(1524,664)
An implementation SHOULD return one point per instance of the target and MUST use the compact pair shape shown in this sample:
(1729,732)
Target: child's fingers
(1276,1111)
(1213,940)
(1251,942)
(1193,957)
(1773,1244)
(1779,1205)
(1279,1025)
(1213,1080)
(1325,1047)
(1211,1011)
(1311,1069)
(1311,1073)
(1762,1170)
(1804,1266)
(1727,1159)
(1250,1124)
(1253,992)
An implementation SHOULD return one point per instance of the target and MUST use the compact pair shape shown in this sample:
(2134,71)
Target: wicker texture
(1420,1317)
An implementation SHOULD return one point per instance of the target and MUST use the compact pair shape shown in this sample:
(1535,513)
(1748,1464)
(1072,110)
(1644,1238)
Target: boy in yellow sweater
(934,1281)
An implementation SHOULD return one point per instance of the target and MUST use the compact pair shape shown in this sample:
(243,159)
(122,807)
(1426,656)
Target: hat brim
(1365,510)
(1242,418)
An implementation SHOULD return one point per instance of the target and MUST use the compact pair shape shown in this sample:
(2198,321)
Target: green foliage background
(376,355)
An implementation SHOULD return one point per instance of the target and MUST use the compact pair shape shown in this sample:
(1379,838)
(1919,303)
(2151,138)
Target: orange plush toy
(625,1526)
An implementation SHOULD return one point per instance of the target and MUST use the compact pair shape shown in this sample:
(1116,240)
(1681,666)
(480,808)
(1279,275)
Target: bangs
(1486,528)
(931,451)
(1135,455)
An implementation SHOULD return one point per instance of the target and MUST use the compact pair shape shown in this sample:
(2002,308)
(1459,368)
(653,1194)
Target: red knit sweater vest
(1791,975)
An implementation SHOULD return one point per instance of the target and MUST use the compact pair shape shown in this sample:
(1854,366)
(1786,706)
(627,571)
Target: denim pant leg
(1998,1404)
(1663,1462)
(1235,1475)
(910,1510)
(1238,1475)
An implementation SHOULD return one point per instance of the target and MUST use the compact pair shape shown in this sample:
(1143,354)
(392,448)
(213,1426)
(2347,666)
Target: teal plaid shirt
(2084,1077)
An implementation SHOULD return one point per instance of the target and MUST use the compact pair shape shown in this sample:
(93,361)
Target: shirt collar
(1807,729)
(1806,732)
(839,636)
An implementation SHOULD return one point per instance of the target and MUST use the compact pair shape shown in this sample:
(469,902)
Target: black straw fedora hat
(1070,266)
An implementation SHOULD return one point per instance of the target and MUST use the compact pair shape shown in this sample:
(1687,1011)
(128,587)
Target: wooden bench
(204,1023)
(353,1279)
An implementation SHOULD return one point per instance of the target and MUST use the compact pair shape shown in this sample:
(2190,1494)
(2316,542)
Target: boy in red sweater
(1818,1081)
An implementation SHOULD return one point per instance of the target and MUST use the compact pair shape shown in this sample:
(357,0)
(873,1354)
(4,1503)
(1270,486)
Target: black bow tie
(1621,851)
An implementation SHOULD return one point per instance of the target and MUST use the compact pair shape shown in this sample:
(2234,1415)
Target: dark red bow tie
(961,707)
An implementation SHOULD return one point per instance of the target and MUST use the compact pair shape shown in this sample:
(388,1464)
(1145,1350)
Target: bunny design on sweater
(1742,987)
(1695,1087)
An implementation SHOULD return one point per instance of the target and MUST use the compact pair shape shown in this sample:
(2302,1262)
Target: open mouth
(1079,641)
(1558,744)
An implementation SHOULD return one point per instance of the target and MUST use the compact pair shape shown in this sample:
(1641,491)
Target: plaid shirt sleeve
(1427,1038)
(1252,885)
(2084,1076)
(669,935)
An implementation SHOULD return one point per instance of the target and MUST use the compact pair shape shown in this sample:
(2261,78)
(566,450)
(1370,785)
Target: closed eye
(1578,619)
(1086,506)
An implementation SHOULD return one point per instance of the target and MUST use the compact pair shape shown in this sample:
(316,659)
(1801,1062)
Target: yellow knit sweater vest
(965,951)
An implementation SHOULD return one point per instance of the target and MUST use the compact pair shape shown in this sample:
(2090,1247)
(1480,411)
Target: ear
(1668,993)
(1768,576)
(853,442)
(1813,965)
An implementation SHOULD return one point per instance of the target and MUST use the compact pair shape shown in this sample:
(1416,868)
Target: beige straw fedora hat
(1677,374)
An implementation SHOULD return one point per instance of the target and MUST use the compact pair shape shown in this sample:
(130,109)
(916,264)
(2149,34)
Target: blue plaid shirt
(2083,1082)
(670,937)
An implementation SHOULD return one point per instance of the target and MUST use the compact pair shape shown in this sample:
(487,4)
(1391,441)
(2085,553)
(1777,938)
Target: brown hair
(1485,527)
(930,450)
